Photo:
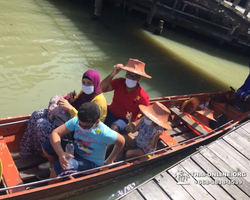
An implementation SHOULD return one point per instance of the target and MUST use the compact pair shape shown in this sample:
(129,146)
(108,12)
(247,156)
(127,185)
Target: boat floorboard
(219,170)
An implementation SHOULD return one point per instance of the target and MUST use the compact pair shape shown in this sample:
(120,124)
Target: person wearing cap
(128,94)
(150,127)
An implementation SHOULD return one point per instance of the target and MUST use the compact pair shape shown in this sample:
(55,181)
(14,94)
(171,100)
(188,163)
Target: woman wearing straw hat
(128,94)
(150,127)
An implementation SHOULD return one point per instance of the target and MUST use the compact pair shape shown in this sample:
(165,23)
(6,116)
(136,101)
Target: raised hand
(129,116)
(157,134)
(116,69)
(65,104)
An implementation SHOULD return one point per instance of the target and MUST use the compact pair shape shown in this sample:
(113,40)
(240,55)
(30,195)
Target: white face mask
(130,83)
(87,130)
(87,89)
(148,122)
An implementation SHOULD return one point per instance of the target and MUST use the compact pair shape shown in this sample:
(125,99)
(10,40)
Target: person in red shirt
(128,94)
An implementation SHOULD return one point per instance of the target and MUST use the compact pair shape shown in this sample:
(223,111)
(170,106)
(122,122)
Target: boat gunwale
(123,165)
(217,130)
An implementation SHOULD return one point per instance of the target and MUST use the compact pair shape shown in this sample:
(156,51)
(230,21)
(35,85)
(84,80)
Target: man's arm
(119,144)
(105,84)
(55,139)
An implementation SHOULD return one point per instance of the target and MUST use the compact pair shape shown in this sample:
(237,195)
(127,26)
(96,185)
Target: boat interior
(185,129)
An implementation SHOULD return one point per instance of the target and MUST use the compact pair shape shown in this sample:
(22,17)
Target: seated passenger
(128,94)
(40,127)
(150,127)
(90,140)
(243,93)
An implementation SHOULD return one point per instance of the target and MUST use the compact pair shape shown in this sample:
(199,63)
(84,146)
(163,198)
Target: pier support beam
(235,3)
(175,4)
(159,29)
(151,13)
(247,9)
(98,8)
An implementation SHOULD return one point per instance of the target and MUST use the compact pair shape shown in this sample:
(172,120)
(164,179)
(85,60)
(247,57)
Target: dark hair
(89,112)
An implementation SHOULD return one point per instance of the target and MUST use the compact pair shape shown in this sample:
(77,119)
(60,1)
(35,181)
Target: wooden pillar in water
(175,3)
(98,8)
(151,13)
(247,9)
(159,29)
(235,3)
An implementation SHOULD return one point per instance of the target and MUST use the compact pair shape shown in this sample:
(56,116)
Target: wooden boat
(188,132)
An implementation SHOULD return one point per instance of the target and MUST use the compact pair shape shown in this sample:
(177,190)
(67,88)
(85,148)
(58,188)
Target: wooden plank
(224,167)
(175,123)
(238,157)
(215,190)
(189,121)
(185,136)
(178,130)
(168,140)
(134,195)
(239,143)
(195,190)
(29,174)
(152,191)
(30,162)
(229,157)
(13,129)
(10,173)
(208,167)
(246,127)
(243,133)
(169,185)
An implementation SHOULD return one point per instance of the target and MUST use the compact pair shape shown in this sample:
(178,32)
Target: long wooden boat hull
(183,137)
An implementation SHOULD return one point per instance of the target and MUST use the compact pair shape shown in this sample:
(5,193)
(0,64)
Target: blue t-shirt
(92,145)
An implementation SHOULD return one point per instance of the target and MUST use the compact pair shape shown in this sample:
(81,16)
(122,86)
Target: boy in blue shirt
(91,137)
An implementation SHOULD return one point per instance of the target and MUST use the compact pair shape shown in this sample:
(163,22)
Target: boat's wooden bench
(193,125)
(168,140)
(10,173)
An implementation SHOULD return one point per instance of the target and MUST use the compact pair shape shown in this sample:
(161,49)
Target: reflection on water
(47,45)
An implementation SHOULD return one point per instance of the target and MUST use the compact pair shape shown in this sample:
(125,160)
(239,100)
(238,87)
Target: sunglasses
(86,127)
(132,77)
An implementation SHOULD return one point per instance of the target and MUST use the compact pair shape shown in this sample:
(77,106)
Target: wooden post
(235,3)
(247,10)
(98,8)
(159,29)
(151,13)
(175,3)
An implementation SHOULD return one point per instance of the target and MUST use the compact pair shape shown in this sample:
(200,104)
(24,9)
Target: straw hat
(191,105)
(136,66)
(158,113)
(207,113)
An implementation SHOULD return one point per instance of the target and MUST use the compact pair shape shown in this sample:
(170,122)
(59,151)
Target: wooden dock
(221,170)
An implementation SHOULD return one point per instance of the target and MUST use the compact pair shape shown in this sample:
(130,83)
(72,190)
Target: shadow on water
(119,37)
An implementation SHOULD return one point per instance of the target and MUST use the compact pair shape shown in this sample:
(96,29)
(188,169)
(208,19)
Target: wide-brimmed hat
(136,66)
(191,105)
(207,113)
(158,113)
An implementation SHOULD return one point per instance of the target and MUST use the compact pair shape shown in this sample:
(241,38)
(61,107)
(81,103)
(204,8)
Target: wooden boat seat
(10,173)
(168,140)
(192,124)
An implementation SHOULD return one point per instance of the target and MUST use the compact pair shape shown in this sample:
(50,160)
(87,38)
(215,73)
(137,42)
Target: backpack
(56,114)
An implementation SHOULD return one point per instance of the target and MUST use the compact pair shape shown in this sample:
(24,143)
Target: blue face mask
(148,122)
